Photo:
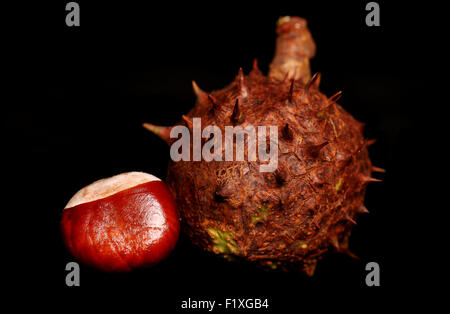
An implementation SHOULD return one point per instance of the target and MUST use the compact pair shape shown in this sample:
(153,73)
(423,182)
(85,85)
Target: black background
(83,93)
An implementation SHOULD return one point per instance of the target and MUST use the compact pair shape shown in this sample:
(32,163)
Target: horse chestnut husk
(121,223)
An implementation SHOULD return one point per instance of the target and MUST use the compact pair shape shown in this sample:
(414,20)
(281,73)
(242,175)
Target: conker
(121,223)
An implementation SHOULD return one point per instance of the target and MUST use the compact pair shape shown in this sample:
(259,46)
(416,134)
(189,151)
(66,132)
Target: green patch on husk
(223,241)
(262,214)
(299,245)
(338,184)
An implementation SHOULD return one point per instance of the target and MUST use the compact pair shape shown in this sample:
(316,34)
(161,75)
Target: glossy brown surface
(133,228)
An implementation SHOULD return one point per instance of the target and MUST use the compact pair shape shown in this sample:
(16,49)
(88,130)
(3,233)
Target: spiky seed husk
(309,204)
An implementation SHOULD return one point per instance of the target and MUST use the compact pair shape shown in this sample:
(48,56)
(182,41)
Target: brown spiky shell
(289,217)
